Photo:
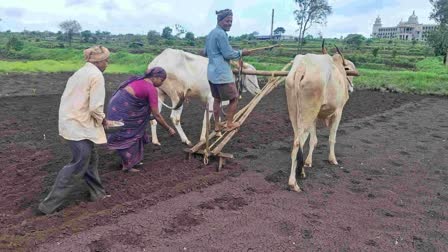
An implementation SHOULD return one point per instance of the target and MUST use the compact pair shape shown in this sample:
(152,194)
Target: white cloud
(198,16)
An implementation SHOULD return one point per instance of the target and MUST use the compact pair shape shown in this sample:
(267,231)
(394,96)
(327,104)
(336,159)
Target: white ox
(187,77)
(317,87)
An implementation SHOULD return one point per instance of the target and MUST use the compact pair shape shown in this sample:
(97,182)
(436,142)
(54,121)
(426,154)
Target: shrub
(14,44)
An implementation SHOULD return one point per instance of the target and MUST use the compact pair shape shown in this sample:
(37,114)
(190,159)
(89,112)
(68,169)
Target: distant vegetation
(389,64)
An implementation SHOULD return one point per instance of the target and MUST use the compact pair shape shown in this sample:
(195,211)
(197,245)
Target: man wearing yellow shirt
(81,119)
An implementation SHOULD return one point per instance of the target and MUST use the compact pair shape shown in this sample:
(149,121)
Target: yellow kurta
(82,106)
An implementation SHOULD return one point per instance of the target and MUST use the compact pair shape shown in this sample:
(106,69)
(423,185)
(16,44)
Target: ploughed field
(389,191)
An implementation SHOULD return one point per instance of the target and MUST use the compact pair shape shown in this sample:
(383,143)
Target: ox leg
(296,163)
(154,138)
(204,122)
(175,118)
(303,138)
(312,145)
(334,124)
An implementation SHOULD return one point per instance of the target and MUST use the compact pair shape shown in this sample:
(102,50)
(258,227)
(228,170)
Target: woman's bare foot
(133,170)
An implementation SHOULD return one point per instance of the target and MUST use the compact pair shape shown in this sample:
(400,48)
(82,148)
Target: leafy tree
(369,41)
(310,12)
(375,51)
(153,37)
(86,35)
(439,11)
(59,36)
(189,36)
(14,44)
(252,35)
(279,31)
(70,27)
(179,29)
(309,37)
(394,53)
(414,42)
(438,39)
(167,33)
(354,40)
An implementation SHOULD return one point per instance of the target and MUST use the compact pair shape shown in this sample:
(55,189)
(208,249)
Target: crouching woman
(133,103)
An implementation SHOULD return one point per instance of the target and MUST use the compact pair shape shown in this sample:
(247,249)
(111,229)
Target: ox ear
(324,50)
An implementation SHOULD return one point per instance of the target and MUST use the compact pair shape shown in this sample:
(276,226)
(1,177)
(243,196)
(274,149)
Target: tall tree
(86,35)
(167,33)
(438,39)
(279,31)
(439,11)
(179,30)
(153,37)
(310,12)
(70,28)
(354,40)
(189,36)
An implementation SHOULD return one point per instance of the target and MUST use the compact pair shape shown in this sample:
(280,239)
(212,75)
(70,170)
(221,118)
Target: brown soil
(389,192)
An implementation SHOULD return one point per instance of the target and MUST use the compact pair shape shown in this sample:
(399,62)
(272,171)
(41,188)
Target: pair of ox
(317,88)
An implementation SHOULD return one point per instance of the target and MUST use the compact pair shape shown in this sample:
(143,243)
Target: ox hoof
(303,175)
(157,143)
(295,188)
(308,165)
(333,162)
(188,143)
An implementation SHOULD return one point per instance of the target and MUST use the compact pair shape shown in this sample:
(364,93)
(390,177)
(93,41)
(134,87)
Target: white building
(410,30)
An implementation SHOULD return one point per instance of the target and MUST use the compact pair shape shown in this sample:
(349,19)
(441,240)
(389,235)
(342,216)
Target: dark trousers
(83,167)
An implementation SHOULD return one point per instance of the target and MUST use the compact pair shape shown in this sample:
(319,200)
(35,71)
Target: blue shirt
(219,53)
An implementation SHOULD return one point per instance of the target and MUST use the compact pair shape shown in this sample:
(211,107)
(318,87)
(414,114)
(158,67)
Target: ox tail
(179,104)
(300,162)
(299,75)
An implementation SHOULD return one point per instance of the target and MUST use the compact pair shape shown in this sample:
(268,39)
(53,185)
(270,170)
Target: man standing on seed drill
(219,72)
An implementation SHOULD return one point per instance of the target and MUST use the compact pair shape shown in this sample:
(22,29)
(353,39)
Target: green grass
(50,66)
(403,81)
(120,62)
(53,66)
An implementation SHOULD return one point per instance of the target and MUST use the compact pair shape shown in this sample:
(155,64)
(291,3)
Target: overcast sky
(198,16)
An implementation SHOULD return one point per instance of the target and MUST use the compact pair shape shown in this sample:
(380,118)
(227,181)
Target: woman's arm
(159,118)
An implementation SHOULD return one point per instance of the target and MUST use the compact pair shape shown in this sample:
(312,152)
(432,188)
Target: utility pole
(272,23)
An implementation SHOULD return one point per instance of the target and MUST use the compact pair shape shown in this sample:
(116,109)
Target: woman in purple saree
(133,103)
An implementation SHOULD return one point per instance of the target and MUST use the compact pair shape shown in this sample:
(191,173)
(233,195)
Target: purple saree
(135,113)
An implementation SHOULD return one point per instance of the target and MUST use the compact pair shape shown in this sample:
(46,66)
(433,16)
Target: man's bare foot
(232,126)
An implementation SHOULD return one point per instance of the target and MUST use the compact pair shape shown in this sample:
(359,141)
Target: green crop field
(390,64)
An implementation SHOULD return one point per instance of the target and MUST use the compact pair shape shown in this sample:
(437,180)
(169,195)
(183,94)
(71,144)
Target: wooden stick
(262,48)
(228,135)
(242,115)
(207,132)
(262,73)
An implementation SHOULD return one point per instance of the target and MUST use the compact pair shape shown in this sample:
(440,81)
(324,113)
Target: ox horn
(324,50)
(352,72)
(343,60)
